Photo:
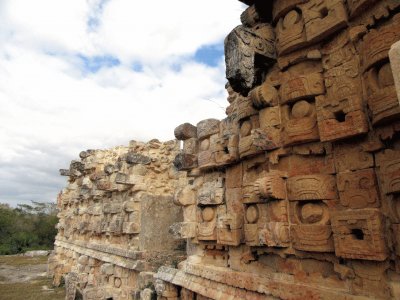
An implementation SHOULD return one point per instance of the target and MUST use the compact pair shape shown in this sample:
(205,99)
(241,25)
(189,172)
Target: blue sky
(78,75)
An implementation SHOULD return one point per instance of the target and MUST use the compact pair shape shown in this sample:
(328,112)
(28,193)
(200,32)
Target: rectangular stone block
(267,224)
(207,223)
(299,86)
(359,234)
(226,149)
(253,169)
(381,94)
(352,156)
(343,126)
(377,43)
(155,223)
(322,18)
(191,146)
(112,208)
(211,192)
(234,175)
(228,236)
(358,189)
(299,123)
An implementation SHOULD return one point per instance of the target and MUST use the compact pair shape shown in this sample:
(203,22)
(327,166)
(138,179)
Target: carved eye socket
(301,109)
(291,18)
(252,214)
(208,214)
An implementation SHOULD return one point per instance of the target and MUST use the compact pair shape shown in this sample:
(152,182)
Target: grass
(38,289)
(33,290)
(17,260)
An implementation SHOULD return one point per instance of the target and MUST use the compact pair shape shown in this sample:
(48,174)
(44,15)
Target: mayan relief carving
(304,201)
(294,195)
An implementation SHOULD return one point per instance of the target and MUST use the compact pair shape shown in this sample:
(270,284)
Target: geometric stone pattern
(115,213)
(296,193)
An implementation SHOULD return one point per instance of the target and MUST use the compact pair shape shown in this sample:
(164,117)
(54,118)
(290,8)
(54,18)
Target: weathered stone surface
(136,158)
(248,53)
(294,195)
(185,131)
(108,238)
(310,206)
(65,172)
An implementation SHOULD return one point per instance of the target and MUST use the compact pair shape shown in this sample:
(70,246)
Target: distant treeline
(27,227)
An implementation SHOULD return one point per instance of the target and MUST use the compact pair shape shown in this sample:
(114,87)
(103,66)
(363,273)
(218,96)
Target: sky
(94,74)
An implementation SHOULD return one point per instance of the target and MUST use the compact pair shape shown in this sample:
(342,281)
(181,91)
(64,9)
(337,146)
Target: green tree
(27,227)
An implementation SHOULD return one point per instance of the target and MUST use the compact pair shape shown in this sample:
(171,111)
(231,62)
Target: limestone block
(137,158)
(303,80)
(191,146)
(323,18)
(299,123)
(234,176)
(185,131)
(207,224)
(377,43)
(107,269)
(206,128)
(183,230)
(303,24)
(226,145)
(154,234)
(352,156)
(264,95)
(185,161)
(253,169)
(267,224)
(247,52)
(211,192)
(244,107)
(358,189)
(206,153)
(358,234)
(272,186)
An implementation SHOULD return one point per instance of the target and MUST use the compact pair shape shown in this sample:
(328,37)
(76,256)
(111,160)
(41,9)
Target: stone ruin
(294,195)
(115,215)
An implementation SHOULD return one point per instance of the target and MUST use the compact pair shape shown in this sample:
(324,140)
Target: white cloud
(154,31)
(52,107)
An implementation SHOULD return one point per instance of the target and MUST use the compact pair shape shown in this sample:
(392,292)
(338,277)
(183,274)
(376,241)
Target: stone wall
(296,194)
(115,214)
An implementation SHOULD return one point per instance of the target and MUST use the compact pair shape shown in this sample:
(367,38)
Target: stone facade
(115,214)
(296,194)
